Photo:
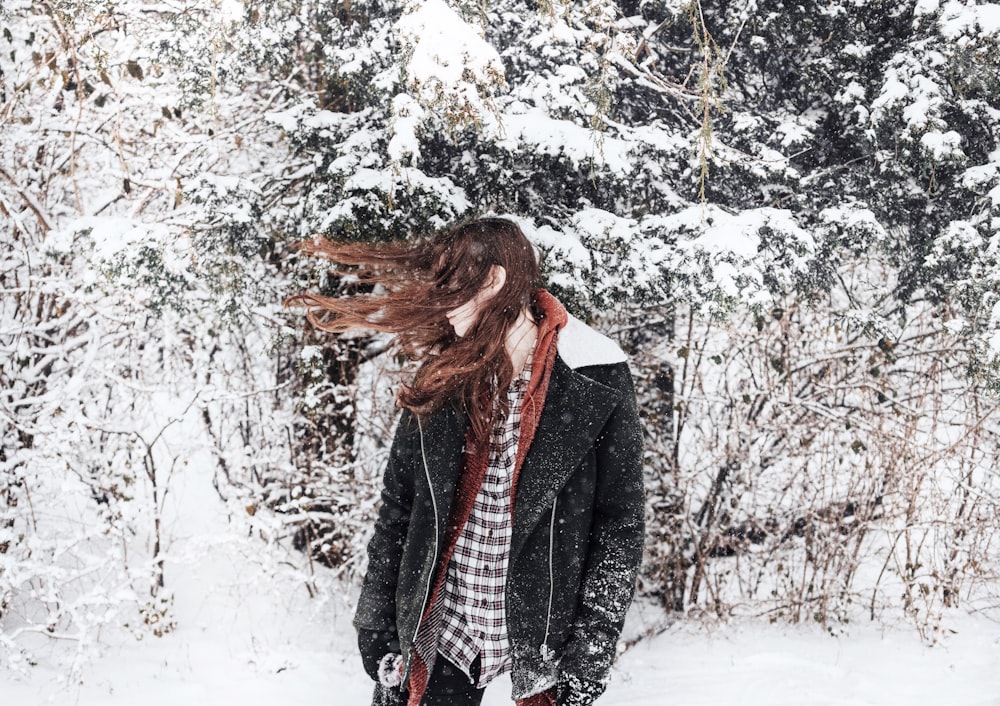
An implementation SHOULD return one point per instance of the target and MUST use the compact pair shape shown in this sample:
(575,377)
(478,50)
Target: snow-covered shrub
(805,469)
(107,324)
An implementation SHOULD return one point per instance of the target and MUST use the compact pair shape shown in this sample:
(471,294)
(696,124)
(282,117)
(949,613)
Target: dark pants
(447,686)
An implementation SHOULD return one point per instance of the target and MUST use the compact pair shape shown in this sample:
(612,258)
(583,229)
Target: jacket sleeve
(377,603)
(615,551)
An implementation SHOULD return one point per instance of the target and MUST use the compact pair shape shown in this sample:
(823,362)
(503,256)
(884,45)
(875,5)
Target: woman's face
(464,317)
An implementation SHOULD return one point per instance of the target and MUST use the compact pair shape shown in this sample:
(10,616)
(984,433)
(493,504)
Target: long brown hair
(421,282)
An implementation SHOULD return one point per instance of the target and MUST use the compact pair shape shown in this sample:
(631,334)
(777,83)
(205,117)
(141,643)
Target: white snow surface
(555,137)
(448,59)
(963,18)
(941,145)
(445,46)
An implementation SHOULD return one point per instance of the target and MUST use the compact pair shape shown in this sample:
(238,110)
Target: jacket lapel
(575,411)
(442,442)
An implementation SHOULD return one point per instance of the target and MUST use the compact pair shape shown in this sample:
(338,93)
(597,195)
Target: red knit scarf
(553,317)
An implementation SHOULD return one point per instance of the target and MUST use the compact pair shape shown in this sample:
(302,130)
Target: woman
(510,530)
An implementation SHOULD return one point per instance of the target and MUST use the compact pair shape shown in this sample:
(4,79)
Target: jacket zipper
(430,580)
(544,649)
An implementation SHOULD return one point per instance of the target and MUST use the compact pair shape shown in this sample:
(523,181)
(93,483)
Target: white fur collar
(579,346)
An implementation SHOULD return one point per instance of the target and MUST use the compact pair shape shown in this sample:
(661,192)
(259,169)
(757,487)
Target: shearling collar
(579,345)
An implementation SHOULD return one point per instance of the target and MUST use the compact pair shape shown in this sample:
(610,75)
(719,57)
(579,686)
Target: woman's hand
(573,691)
(374,645)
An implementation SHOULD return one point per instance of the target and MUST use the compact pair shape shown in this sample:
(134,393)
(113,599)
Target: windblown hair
(421,282)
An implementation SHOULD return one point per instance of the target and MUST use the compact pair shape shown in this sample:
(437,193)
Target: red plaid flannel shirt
(474,620)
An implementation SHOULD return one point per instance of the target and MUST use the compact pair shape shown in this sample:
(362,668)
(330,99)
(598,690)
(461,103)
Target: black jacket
(578,520)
